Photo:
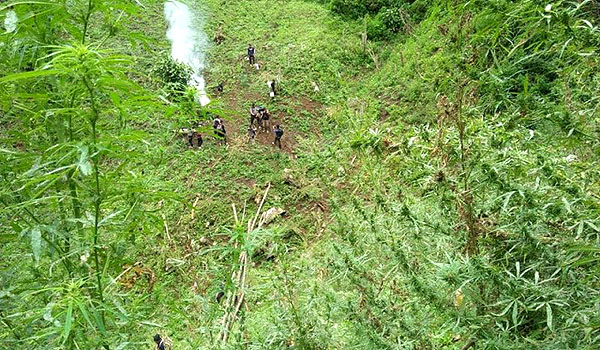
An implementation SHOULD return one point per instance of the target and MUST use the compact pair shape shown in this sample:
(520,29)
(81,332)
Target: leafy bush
(373,6)
(349,8)
(386,23)
(174,74)
(377,29)
(392,18)
(357,8)
(418,9)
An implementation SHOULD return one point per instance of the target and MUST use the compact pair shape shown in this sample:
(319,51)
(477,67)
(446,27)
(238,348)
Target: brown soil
(309,105)
(248,182)
(237,99)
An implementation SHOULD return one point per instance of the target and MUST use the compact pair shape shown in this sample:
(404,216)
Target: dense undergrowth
(441,186)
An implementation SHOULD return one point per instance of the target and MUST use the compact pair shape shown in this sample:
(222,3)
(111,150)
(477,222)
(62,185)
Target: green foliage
(483,153)
(357,8)
(377,28)
(371,141)
(175,75)
(442,191)
(386,23)
(393,19)
(62,169)
(61,190)
(350,8)
(384,18)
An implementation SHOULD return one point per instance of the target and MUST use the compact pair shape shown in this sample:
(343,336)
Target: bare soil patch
(238,99)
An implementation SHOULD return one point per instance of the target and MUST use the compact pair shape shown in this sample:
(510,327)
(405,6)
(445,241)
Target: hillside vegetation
(439,174)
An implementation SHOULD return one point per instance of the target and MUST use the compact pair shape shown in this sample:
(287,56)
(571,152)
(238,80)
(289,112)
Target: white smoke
(10,21)
(187,44)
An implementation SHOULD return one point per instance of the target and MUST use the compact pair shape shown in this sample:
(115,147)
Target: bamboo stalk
(235,299)
(166,226)
(194,207)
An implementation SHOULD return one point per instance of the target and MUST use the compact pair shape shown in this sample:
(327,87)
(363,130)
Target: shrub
(357,8)
(175,75)
(349,8)
(394,19)
(386,23)
(376,28)
(373,6)
(418,10)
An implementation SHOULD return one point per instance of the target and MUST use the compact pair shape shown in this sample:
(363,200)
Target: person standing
(278,135)
(266,122)
(259,117)
(222,133)
(272,93)
(190,138)
(219,130)
(253,115)
(251,54)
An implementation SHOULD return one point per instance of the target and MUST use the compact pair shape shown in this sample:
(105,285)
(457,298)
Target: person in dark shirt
(221,133)
(259,117)
(253,115)
(160,344)
(251,54)
(278,134)
(190,138)
(272,87)
(219,130)
(194,135)
(266,122)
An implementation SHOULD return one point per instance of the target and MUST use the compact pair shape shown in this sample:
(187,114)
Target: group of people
(260,117)
(194,138)
(260,120)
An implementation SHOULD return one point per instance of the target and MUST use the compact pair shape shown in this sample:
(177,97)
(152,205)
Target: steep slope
(441,186)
